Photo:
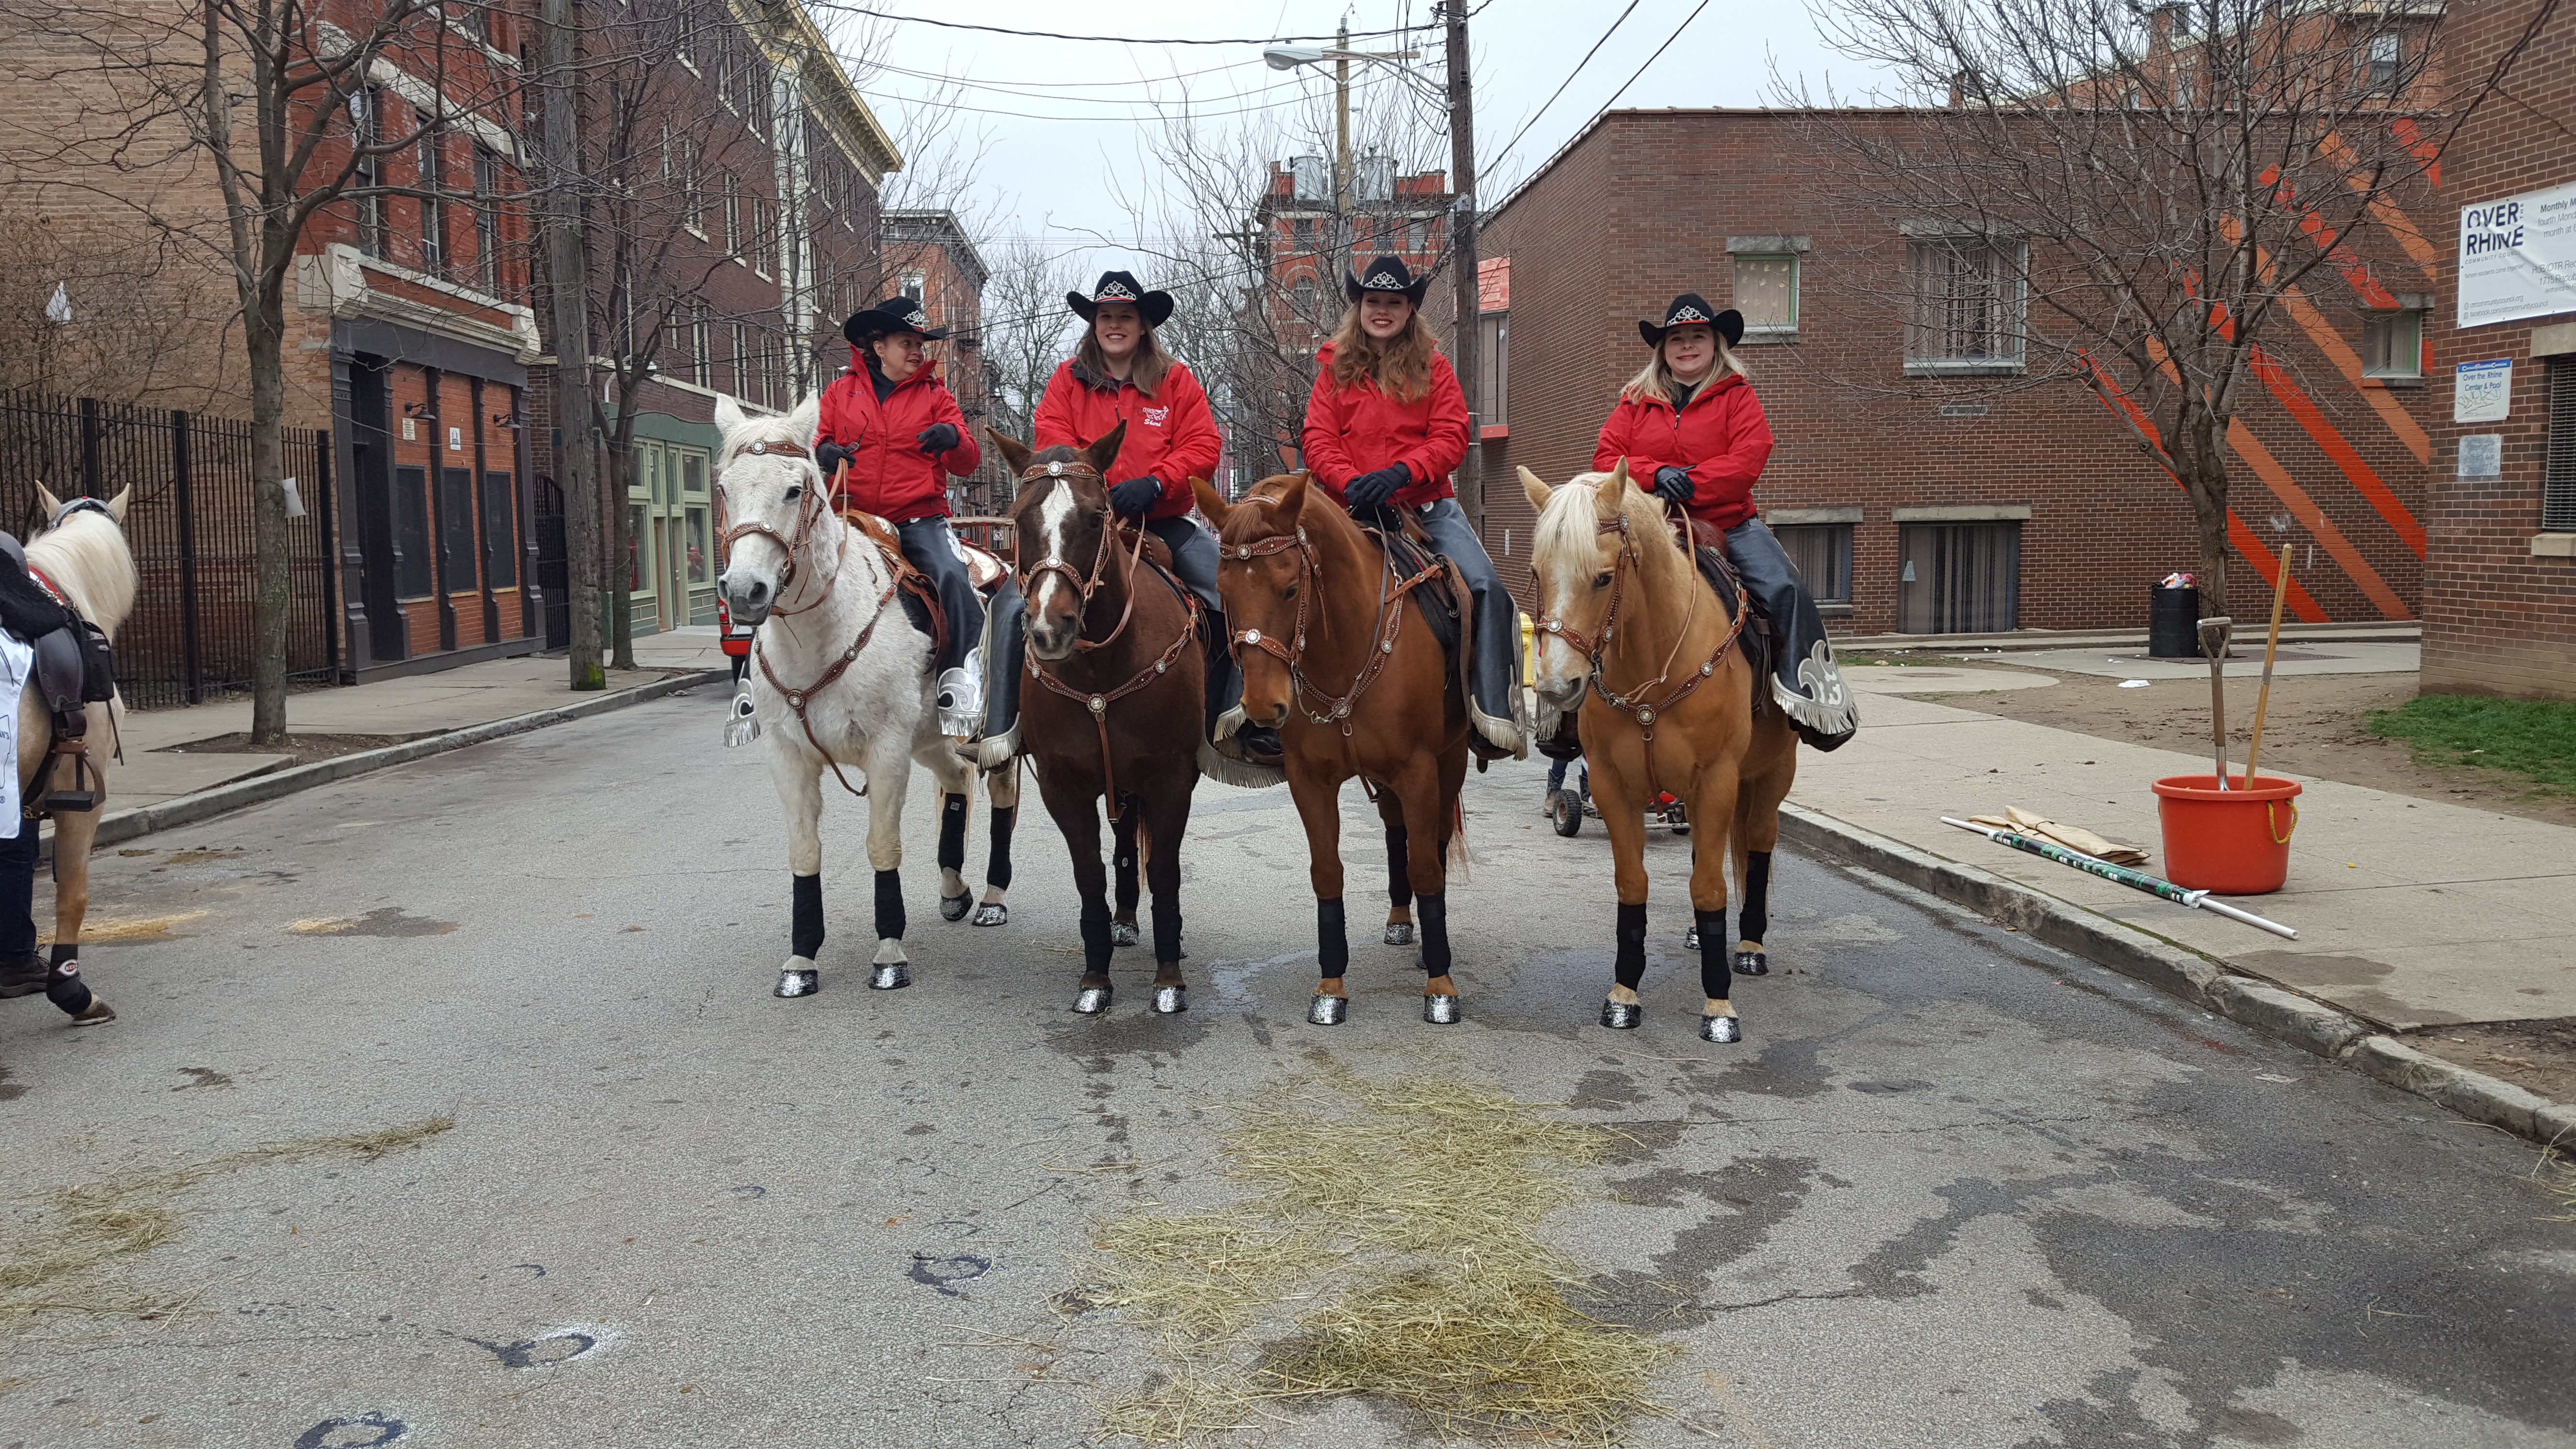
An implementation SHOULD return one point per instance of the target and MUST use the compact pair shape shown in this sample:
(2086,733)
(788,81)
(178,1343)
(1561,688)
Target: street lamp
(1289,57)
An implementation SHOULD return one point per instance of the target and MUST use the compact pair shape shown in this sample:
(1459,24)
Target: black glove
(937,438)
(1674,485)
(1133,498)
(1371,489)
(830,456)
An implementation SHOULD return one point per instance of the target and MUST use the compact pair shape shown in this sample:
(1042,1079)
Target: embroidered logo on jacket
(1153,417)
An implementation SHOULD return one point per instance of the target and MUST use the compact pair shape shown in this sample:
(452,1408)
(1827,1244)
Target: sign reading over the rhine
(2518,257)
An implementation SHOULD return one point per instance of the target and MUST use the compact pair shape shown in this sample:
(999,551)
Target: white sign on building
(2518,257)
(2483,392)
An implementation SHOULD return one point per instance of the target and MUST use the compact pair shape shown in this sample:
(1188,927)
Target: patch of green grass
(2534,737)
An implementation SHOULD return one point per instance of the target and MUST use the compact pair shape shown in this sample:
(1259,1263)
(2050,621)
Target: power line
(1044,86)
(1117,39)
(1658,55)
(1569,80)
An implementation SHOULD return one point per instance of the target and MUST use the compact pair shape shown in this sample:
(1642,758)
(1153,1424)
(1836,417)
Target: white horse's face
(770,490)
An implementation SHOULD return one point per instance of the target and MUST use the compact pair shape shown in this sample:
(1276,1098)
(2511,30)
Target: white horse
(82,556)
(840,677)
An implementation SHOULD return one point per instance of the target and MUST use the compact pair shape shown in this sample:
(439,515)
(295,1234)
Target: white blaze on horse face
(1055,522)
(755,488)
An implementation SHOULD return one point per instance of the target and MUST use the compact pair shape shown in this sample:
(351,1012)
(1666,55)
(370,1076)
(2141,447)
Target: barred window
(2558,487)
(1967,305)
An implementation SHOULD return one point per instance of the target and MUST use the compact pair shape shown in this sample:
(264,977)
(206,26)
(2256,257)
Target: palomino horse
(1337,657)
(1631,633)
(840,676)
(1111,710)
(82,559)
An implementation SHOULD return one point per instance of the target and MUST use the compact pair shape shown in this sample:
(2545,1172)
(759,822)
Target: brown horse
(1111,711)
(1337,657)
(1631,633)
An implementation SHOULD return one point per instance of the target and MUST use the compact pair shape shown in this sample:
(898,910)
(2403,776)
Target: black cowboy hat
(1122,287)
(1386,274)
(1691,308)
(897,313)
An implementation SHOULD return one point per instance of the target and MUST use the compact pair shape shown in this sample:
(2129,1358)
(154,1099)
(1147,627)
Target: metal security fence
(189,525)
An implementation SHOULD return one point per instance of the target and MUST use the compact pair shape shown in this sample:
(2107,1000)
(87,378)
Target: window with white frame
(2384,56)
(2392,339)
(760,212)
(1966,304)
(1766,292)
(732,217)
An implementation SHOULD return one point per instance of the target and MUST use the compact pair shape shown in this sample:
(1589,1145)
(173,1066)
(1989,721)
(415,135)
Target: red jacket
(1358,429)
(1720,436)
(1171,436)
(891,477)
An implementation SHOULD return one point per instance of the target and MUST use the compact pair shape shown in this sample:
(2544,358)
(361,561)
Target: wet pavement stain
(933,1271)
(359,1433)
(388,921)
(562,1346)
(204,1077)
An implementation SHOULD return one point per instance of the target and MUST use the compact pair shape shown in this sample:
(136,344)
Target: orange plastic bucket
(2236,841)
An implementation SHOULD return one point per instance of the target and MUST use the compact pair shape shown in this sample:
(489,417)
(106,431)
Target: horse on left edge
(840,676)
(82,559)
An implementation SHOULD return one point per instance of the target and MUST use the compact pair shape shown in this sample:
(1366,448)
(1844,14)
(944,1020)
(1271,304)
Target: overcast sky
(1083,110)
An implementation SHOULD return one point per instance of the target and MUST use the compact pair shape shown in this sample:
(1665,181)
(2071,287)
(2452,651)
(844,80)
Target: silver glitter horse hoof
(1399,933)
(890,976)
(1442,1010)
(954,908)
(992,913)
(1093,1000)
(792,982)
(1122,933)
(1329,1011)
(1622,1015)
(1169,1000)
(1752,963)
(1721,1029)
(1690,939)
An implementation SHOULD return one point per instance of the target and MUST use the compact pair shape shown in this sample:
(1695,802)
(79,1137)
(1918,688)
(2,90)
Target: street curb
(260,789)
(2179,971)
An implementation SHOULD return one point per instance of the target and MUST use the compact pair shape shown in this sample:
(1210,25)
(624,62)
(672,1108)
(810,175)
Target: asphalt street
(1956,1188)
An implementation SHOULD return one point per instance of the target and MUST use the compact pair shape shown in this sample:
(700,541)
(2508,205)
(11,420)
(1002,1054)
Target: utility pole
(1466,344)
(1342,152)
(576,461)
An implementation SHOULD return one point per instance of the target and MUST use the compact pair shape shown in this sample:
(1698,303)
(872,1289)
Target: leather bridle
(810,511)
(1330,709)
(1632,702)
(1084,586)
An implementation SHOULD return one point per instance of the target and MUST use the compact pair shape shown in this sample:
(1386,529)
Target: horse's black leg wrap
(1434,906)
(997,870)
(889,905)
(1757,894)
(1095,937)
(1332,943)
(805,936)
(1399,881)
(1167,930)
(1122,861)
(1714,954)
(952,832)
(1630,968)
(63,985)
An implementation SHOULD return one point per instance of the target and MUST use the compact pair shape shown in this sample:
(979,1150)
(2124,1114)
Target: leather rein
(1632,702)
(1084,586)
(1332,709)
(809,512)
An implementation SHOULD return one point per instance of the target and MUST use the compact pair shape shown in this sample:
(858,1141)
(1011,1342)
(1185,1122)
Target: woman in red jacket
(1694,435)
(896,426)
(1385,424)
(1119,373)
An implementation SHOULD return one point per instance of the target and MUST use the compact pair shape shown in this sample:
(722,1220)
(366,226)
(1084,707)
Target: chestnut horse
(1337,656)
(1111,711)
(1632,634)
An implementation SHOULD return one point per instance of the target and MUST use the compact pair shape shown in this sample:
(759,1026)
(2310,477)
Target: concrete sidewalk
(2410,913)
(405,709)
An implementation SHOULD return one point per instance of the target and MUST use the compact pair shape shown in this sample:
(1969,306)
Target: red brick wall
(2498,620)
(1640,209)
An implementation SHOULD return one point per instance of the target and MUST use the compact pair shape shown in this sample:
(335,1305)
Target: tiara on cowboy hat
(1122,287)
(1691,309)
(894,314)
(1386,274)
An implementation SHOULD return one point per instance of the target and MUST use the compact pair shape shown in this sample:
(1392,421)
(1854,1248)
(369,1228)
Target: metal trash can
(2173,623)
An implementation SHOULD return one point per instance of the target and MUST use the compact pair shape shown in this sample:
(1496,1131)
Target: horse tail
(1458,860)
(1739,841)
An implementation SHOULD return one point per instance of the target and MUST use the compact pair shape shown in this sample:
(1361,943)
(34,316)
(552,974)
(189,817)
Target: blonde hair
(1655,382)
(1401,366)
(1148,369)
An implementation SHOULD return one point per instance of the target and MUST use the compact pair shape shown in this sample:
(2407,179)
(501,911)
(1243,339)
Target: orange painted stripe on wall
(2323,336)
(2382,210)
(2305,510)
(2301,602)
(2364,480)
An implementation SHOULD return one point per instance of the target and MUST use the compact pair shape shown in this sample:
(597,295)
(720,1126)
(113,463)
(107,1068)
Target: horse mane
(87,558)
(1568,535)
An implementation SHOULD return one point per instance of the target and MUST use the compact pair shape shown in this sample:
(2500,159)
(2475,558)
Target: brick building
(927,256)
(2500,571)
(741,230)
(1917,495)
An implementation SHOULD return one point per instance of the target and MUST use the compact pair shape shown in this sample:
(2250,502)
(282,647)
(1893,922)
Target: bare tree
(1026,325)
(2139,200)
(123,317)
